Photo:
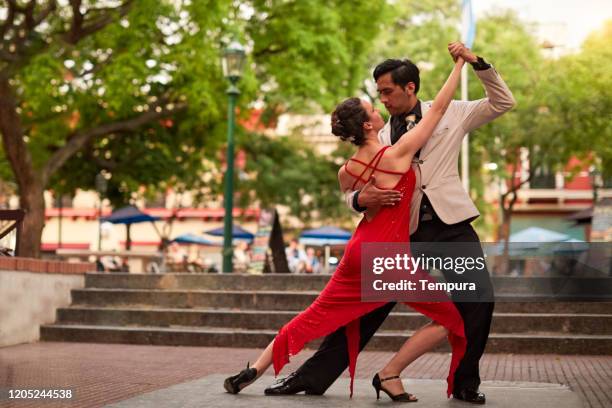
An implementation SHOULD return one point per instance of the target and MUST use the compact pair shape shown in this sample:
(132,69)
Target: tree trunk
(504,228)
(31,199)
(504,235)
(29,181)
(128,237)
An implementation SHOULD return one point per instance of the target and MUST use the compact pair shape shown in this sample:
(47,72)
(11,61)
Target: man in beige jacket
(441,212)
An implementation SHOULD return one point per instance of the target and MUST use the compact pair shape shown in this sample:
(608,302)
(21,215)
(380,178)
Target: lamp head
(101,183)
(233,61)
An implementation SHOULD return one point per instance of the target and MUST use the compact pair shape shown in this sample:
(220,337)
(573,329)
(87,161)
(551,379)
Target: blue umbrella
(237,233)
(325,236)
(529,241)
(129,215)
(572,245)
(536,234)
(194,239)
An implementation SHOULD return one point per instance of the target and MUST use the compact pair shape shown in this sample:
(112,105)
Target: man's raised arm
(498,101)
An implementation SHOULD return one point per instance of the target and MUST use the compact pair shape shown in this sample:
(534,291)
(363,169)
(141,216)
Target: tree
(578,87)
(310,53)
(521,64)
(76,74)
(307,183)
(419,31)
(327,45)
(133,86)
(555,118)
(557,100)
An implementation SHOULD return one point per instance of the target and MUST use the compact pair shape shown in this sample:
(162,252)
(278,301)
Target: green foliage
(301,55)
(505,42)
(308,52)
(562,107)
(286,171)
(579,94)
(420,31)
(161,53)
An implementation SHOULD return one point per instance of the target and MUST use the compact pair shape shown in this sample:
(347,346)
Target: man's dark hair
(402,72)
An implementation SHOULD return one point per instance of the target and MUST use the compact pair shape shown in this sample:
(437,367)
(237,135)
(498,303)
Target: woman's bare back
(387,170)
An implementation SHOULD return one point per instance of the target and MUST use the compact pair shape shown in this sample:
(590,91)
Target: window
(543,177)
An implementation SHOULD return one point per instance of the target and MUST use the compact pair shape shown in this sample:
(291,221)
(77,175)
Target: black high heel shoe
(236,383)
(377,384)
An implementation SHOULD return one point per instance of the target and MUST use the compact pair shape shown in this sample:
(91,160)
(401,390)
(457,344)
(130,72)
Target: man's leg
(477,324)
(477,315)
(321,370)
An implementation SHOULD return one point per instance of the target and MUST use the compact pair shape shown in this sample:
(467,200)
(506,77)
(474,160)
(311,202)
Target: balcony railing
(561,194)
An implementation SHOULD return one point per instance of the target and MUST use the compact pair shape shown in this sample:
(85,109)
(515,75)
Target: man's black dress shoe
(290,385)
(471,396)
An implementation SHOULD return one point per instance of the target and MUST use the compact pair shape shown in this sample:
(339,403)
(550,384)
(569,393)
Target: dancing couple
(403,178)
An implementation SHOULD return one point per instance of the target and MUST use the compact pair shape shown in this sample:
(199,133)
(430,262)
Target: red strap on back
(377,157)
(360,176)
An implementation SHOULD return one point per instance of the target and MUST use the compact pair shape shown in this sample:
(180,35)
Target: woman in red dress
(340,304)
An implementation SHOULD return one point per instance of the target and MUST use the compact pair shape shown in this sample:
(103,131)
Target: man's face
(396,99)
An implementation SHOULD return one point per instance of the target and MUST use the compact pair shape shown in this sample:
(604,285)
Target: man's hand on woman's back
(372,196)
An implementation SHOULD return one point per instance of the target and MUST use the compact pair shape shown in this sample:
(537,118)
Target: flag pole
(468,28)
(465,144)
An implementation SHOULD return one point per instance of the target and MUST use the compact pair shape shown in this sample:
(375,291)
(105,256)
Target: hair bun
(337,126)
(347,121)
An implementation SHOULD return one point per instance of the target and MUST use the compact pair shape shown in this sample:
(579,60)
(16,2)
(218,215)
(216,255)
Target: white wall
(28,300)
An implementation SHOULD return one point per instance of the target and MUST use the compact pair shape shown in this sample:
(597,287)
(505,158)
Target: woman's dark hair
(402,72)
(348,119)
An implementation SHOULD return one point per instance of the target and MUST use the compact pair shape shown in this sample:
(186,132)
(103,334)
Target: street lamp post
(594,174)
(232,62)
(101,185)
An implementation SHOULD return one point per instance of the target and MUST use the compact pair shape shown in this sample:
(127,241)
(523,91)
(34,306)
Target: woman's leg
(246,377)
(423,340)
(264,360)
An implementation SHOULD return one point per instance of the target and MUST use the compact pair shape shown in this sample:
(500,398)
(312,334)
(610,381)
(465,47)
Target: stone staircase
(246,311)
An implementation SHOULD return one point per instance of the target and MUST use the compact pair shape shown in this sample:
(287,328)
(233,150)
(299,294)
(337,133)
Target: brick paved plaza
(102,374)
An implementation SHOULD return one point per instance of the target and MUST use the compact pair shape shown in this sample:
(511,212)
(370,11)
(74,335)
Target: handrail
(16,216)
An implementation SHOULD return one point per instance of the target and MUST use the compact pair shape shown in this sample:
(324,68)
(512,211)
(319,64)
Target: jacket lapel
(436,138)
(384,135)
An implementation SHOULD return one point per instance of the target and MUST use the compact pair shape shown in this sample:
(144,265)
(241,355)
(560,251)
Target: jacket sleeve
(499,99)
(348,199)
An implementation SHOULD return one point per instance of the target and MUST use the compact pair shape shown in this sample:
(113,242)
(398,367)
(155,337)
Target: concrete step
(542,343)
(247,310)
(568,286)
(288,301)
(185,281)
(402,319)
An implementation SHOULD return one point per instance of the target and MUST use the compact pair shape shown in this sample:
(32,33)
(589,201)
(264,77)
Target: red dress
(339,304)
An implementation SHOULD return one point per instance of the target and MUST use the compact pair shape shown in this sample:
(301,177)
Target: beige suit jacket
(436,170)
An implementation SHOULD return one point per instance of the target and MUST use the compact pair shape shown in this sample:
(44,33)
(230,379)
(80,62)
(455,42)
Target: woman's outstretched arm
(411,142)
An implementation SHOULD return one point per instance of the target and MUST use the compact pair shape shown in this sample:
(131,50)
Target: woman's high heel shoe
(237,382)
(377,384)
